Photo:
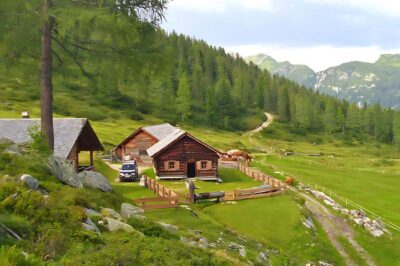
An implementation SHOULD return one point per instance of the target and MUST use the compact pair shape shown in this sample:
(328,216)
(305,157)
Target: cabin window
(203,165)
(171,165)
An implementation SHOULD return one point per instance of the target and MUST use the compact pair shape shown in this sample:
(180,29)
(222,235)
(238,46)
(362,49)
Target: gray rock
(91,179)
(115,225)
(6,141)
(107,212)
(309,223)
(90,226)
(169,227)
(65,172)
(92,213)
(128,210)
(30,181)
(263,259)
(212,245)
(13,150)
(239,248)
(203,242)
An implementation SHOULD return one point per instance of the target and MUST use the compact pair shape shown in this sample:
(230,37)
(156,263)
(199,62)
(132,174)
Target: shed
(180,155)
(138,142)
(71,136)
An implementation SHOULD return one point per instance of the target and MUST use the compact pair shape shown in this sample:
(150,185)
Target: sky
(317,33)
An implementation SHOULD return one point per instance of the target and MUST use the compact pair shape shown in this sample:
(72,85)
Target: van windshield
(128,167)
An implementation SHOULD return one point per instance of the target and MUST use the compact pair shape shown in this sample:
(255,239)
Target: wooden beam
(91,158)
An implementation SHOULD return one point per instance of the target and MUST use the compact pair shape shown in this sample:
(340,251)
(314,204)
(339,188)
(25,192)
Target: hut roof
(160,131)
(67,132)
(171,139)
(156,131)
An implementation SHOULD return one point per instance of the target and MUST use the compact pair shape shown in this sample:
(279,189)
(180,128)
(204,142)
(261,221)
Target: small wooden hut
(71,136)
(180,155)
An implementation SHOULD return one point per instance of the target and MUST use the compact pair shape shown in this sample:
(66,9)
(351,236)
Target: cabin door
(191,170)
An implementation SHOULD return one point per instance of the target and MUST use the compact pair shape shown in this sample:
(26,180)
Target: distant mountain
(354,81)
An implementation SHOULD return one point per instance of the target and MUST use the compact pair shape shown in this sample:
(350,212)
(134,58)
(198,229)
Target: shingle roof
(165,142)
(160,131)
(66,132)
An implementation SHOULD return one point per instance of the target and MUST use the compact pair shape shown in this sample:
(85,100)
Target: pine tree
(330,116)
(283,104)
(183,99)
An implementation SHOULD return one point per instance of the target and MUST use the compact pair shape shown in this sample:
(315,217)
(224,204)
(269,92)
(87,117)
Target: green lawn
(374,187)
(232,179)
(277,222)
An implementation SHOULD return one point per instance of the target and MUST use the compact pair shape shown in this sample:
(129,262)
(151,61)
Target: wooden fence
(272,186)
(157,203)
(163,191)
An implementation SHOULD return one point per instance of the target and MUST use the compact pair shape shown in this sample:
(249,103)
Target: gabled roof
(170,140)
(67,131)
(158,132)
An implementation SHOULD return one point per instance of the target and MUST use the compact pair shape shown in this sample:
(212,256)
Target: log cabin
(180,155)
(138,142)
(71,136)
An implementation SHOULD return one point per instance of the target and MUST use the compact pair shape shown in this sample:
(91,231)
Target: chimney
(25,115)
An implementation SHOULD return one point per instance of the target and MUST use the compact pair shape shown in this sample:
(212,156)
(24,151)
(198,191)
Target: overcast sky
(319,33)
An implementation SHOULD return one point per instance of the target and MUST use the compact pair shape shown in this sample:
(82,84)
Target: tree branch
(72,55)
(58,57)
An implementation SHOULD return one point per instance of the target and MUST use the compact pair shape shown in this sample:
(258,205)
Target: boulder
(239,248)
(107,212)
(169,227)
(13,149)
(91,179)
(90,226)
(263,258)
(115,225)
(6,142)
(203,242)
(128,210)
(30,181)
(65,172)
(92,213)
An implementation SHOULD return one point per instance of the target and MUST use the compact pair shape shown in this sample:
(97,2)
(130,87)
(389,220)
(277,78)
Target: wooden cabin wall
(74,156)
(141,141)
(183,151)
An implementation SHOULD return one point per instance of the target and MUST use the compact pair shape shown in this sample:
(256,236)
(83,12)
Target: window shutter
(166,165)
(176,165)
(209,165)
(198,165)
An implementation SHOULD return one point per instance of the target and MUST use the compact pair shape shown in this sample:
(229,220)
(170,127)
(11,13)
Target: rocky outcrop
(65,172)
(90,226)
(128,211)
(107,212)
(115,225)
(91,179)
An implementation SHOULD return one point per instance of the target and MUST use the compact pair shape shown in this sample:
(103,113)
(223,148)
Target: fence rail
(274,186)
(353,204)
(163,191)
(157,203)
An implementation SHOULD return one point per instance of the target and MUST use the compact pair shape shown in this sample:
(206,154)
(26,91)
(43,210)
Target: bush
(150,228)
(12,256)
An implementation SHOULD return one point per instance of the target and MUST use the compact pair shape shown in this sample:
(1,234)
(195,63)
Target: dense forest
(131,64)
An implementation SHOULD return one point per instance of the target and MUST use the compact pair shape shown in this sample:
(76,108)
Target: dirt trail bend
(270,119)
(335,227)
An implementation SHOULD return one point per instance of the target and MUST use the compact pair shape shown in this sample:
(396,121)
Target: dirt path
(335,227)
(270,119)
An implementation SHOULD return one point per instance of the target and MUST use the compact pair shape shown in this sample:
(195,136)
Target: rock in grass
(90,226)
(128,210)
(169,227)
(115,225)
(107,212)
(30,181)
(91,179)
(65,172)
(92,213)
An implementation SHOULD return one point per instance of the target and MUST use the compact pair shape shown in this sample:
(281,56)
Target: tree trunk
(46,86)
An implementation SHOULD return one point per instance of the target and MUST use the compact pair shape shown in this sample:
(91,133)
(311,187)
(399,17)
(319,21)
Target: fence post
(145,180)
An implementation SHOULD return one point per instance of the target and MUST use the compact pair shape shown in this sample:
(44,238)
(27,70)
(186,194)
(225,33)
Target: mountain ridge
(355,81)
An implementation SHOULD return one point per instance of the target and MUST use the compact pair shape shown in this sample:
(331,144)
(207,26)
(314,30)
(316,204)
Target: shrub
(12,256)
